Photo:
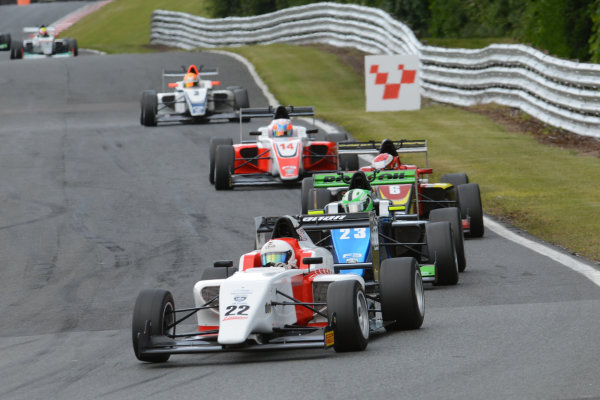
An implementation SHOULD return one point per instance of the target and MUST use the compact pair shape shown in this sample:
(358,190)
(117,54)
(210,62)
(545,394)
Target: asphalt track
(96,207)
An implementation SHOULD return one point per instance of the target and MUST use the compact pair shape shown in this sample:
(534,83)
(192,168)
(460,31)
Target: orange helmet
(190,80)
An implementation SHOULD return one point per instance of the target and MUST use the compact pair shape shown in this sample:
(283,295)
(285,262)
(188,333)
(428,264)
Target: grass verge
(550,192)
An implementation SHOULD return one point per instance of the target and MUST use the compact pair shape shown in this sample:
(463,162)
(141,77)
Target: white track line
(568,261)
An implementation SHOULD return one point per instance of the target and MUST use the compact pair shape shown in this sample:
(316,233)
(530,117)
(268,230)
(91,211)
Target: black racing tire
(308,184)
(469,200)
(157,306)
(348,162)
(452,215)
(149,108)
(214,142)
(6,38)
(336,137)
(216,273)
(442,253)
(241,98)
(457,178)
(401,294)
(73,46)
(16,51)
(224,163)
(346,300)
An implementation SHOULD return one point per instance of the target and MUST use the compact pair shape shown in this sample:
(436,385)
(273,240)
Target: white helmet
(275,252)
(382,161)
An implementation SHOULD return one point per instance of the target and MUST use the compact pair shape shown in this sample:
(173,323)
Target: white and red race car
(193,99)
(283,152)
(283,296)
(43,42)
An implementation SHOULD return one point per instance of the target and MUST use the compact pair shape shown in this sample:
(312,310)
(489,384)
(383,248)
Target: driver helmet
(357,200)
(190,80)
(43,31)
(277,252)
(383,161)
(282,128)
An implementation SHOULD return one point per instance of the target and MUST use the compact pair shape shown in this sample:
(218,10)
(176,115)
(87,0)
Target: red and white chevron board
(76,15)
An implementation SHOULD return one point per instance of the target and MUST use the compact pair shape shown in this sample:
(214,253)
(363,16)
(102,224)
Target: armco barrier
(562,93)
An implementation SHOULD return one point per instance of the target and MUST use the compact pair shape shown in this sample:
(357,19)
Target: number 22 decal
(241,310)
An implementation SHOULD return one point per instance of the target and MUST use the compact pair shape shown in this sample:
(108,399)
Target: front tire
(224,163)
(401,293)
(158,307)
(348,162)
(457,178)
(149,108)
(214,142)
(346,299)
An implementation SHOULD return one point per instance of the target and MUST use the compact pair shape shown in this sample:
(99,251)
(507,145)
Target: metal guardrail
(561,93)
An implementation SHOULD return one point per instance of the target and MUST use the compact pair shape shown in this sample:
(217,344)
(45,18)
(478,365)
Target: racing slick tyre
(336,137)
(455,179)
(348,162)
(216,273)
(149,108)
(401,293)
(224,161)
(158,307)
(72,46)
(452,215)
(214,142)
(16,51)
(347,307)
(241,98)
(308,184)
(442,253)
(6,39)
(469,201)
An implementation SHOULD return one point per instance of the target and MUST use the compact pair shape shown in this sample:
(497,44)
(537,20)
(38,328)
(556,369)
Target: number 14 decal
(359,233)
(284,146)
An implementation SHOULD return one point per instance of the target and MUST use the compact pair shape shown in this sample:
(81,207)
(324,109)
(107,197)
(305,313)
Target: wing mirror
(312,131)
(223,264)
(312,260)
(425,171)
(254,133)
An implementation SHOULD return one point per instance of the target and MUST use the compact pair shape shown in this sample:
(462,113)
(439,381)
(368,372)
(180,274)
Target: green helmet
(357,200)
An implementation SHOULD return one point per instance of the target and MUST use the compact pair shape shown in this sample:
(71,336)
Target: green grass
(549,192)
(123,26)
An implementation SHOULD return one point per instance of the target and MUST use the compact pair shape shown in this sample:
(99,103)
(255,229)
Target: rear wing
(402,146)
(33,29)
(318,223)
(383,177)
(269,112)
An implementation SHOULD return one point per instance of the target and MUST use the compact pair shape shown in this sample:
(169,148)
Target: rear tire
(346,299)
(149,108)
(73,47)
(16,51)
(469,199)
(224,163)
(452,215)
(157,306)
(458,178)
(214,142)
(241,98)
(442,253)
(348,162)
(308,184)
(401,293)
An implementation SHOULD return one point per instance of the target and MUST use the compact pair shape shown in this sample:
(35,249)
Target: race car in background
(5,41)
(192,100)
(283,296)
(282,153)
(43,42)
(407,186)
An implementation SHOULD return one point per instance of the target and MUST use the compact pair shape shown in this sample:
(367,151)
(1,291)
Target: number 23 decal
(241,310)
(359,233)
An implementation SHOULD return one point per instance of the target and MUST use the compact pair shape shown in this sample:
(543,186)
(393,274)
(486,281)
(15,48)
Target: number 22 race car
(282,153)
(283,296)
